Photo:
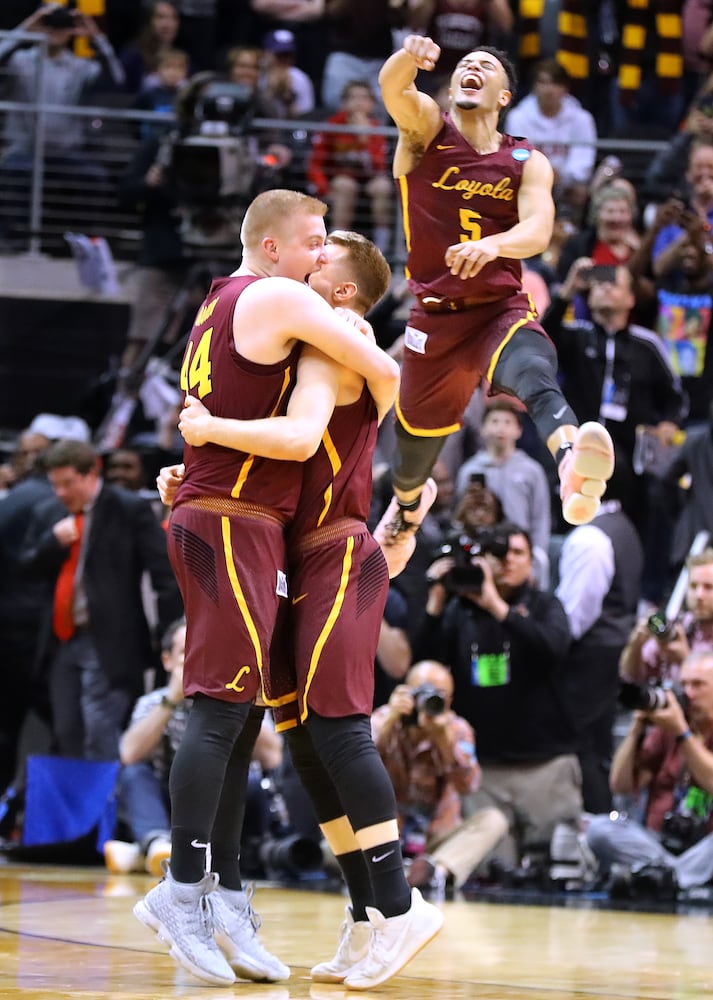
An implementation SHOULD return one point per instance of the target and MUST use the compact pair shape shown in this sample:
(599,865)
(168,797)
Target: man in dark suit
(96,635)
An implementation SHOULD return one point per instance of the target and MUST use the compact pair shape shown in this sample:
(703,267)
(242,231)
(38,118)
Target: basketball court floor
(69,932)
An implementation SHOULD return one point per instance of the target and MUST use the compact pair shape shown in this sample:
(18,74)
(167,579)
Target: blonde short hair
(269,212)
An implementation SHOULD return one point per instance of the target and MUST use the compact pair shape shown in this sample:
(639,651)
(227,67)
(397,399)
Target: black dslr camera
(649,697)
(464,577)
(681,830)
(427,699)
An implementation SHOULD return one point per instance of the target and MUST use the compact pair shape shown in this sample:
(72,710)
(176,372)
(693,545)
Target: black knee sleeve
(229,818)
(527,368)
(199,767)
(415,457)
(346,749)
(313,775)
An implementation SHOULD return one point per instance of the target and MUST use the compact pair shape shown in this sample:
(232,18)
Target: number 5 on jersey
(196,367)
(472,229)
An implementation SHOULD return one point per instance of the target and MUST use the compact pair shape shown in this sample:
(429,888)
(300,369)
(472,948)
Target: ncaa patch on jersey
(521,154)
(415,340)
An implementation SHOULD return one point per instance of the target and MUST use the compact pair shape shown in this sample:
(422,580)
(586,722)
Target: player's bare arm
(530,236)
(416,115)
(295,436)
(272,315)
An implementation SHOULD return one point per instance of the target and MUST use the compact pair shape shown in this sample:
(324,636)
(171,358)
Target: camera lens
(642,698)
(429,700)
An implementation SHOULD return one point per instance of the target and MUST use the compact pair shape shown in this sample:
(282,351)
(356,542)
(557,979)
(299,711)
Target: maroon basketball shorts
(446,355)
(324,658)
(231,571)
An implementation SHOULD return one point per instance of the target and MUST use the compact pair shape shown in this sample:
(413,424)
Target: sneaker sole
(579,509)
(243,966)
(326,977)
(332,977)
(394,969)
(592,458)
(144,915)
(593,455)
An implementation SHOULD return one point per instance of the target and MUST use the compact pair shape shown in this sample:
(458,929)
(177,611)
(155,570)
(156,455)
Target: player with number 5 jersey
(476,202)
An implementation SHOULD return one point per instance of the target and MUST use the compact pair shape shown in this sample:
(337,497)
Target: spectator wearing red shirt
(346,166)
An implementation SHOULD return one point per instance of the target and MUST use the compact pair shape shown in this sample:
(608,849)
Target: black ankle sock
(356,874)
(188,850)
(227,864)
(392,894)
(562,451)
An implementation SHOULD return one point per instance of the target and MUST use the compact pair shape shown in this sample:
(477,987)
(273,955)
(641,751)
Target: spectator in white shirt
(557,124)
(599,585)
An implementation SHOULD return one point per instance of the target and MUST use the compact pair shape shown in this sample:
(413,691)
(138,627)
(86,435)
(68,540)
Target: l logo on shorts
(415,340)
(281,588)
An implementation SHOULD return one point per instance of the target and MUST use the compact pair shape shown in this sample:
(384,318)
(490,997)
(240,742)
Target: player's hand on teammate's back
(357,321)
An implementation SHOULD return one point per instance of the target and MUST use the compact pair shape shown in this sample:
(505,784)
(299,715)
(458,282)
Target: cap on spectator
(58,428)
(279,42)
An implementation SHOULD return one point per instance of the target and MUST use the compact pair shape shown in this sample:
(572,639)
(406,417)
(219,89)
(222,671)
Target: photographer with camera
(429,752)
(656,647)
(506,643)
(668,754)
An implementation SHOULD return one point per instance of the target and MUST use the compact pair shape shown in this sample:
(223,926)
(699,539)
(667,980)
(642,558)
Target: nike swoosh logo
(196,843)
(445,147)
(559,412)
(296,600)
(381,857)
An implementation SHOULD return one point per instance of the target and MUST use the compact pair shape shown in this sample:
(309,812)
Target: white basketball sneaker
(180,914)
(354,936)
(584,472)
(236,932)
(394,942)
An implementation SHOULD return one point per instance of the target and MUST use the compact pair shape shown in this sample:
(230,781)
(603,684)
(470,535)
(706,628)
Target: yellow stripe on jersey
(336,463)
(405,222)
(239,599)
(330,622)
(284,699)
(242,476)
(420,431)
(250,460)
(532,314)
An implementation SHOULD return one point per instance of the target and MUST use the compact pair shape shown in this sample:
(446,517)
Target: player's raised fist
(423,50)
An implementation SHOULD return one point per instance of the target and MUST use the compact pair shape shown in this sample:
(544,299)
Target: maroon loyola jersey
(337,479)
(232,386)
(454,195)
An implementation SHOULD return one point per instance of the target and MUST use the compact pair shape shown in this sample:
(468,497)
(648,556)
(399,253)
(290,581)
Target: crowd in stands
(506,641)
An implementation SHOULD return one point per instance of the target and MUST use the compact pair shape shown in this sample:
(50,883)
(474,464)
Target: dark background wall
(52,354)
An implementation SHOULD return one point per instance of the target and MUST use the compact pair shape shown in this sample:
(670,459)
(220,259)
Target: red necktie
(63,621)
